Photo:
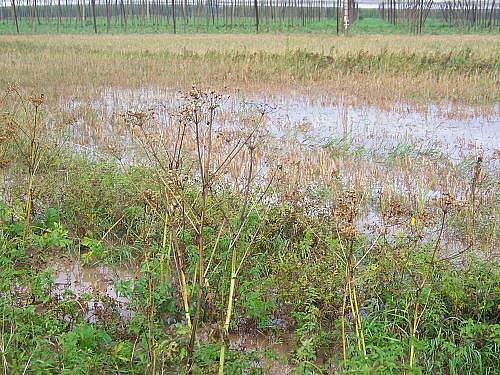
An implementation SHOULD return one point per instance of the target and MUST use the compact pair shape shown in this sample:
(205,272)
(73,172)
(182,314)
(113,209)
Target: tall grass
(460,69)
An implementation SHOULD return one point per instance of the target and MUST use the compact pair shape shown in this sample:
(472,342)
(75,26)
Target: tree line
(470,14)
(181,15)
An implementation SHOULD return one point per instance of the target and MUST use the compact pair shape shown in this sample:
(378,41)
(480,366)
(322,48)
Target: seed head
(37,101)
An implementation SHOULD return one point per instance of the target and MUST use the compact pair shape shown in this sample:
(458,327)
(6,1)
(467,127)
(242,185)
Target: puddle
(272,352)
(92,284)
(275,352)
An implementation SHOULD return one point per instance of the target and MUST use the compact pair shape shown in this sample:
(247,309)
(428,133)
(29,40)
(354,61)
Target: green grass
(433,26)
(365,25)
(292,275)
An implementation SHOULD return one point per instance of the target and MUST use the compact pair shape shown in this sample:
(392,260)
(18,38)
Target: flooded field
(332,209)
(454,130)
(398,149)
(378,148)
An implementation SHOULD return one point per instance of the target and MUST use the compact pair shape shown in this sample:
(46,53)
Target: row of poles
(471,14)
(172,15)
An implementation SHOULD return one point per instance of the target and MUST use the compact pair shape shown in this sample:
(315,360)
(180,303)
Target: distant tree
(256,15)
(14,15)
(94,16)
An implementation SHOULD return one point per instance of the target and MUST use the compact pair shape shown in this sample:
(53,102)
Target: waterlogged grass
(301,271)
(294,274)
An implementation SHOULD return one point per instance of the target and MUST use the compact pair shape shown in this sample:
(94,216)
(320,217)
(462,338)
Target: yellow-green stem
(185,300)
(228,313)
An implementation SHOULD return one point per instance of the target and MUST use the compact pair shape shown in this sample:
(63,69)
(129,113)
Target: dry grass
(484,45)
(372,68)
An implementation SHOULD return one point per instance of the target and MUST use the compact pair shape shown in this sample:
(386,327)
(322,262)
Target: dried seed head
(447,201)
(12,88)
(37,101)
(149,197)
(347,230)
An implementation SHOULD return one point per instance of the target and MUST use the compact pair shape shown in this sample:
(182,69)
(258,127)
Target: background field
(461,68)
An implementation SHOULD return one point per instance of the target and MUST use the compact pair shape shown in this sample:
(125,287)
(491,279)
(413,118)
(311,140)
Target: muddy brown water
(91,284)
